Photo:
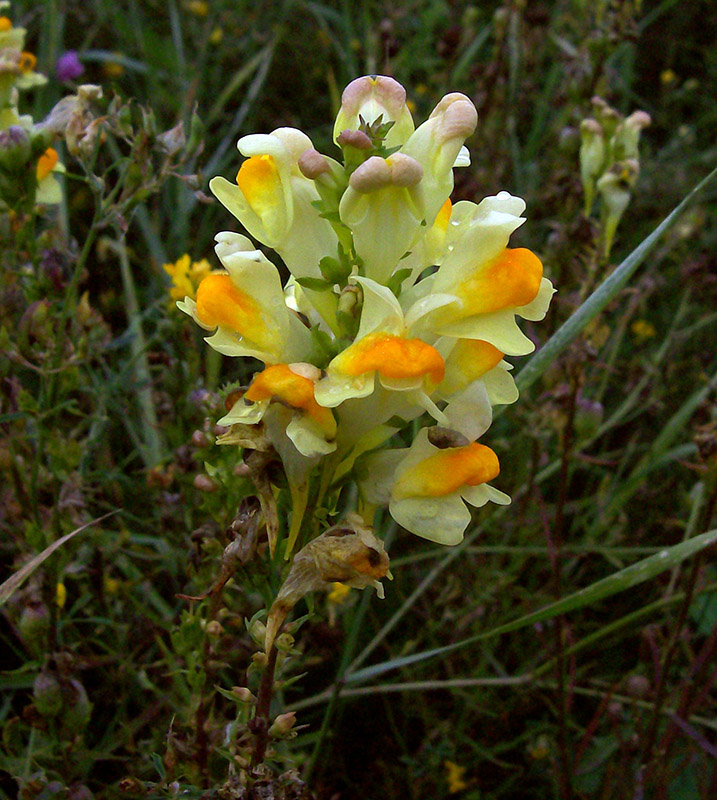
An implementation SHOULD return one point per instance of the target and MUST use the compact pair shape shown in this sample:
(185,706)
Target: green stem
(152,449)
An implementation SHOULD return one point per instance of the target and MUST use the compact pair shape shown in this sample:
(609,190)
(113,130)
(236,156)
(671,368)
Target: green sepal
(398,277)
(315,284)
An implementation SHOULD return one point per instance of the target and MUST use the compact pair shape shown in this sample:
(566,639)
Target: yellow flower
(643,329)
(60,595)
(112,69)
(454,777)
(339,592)
(186,276)
(668,76)
(27,62)
(199,8)
(216,36)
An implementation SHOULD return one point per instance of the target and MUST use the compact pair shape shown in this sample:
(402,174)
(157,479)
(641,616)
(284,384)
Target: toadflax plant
(397,316)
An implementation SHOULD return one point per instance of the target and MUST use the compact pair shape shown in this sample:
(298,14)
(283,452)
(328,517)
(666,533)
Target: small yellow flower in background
(199,8)
(643,329)
(112,69)
(540,748)
(111,585)
(216,35)
(339,592)
(667,76)
(27,62)
(5,24)
(186,276)
(454,777)
(60,595)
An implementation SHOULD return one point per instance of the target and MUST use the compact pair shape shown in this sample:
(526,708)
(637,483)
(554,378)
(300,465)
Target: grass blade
(624,579)
(15,581)
(606,292)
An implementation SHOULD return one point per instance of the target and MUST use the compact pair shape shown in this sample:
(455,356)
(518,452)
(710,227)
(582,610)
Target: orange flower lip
(509,281)
(469,360)
(46,163)
(220,302)
(447,470)
(279,382)
(393,357)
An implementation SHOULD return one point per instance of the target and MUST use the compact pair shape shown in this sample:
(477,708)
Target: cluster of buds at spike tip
(399,312)
(610,162)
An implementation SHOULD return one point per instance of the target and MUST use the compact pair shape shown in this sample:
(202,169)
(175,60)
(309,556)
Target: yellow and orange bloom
(398,303)
(288,389)
(490,283)
(384,348)
(427,485)
(276,203)
(245,305)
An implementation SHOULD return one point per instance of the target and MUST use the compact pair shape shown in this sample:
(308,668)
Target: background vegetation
(108,400)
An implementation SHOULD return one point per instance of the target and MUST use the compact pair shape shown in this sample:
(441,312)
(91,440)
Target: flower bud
(76,707)
(34,624)
(15,148)
(592,157)
(47,695)
(243,695)
(200,439)
(284,642)
(257,631)
(205,484)
(627,136)
(356,139)
(370,98)
(312,164)
(614,188)
(282,725)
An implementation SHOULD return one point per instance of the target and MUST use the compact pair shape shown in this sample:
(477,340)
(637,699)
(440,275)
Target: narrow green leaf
(606,292)
(624,579)
(15,581)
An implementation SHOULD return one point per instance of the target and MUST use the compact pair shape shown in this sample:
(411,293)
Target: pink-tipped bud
(243,695)
(373,174)
(405,171)
(205,484)
(357,139)
(312,164)
(371,98)
(282,725)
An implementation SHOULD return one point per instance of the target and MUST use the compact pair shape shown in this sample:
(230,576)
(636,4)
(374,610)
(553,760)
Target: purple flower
(68,66)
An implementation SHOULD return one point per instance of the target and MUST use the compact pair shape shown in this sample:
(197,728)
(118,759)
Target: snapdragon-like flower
(398,303)
(385,349)
(427,485)
(491,283)
(245,305)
